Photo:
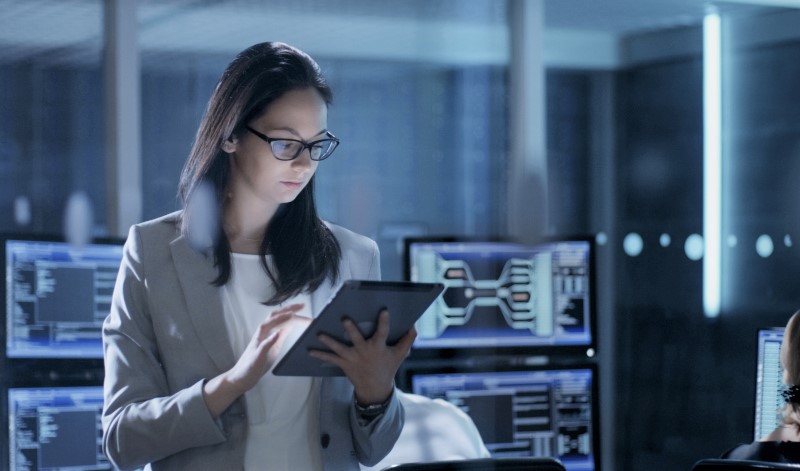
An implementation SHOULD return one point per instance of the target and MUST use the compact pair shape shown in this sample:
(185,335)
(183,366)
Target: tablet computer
(360,301)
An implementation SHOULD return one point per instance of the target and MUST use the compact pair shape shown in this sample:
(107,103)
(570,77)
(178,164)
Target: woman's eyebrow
(294,131)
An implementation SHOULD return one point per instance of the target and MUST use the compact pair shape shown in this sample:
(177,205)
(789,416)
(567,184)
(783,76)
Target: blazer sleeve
(142,420)
(375,439)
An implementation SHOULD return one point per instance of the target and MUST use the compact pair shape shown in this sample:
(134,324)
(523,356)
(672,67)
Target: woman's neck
(240,244)
(245,224)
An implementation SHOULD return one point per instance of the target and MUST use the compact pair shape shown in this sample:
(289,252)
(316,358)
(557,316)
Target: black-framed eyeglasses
(290,149)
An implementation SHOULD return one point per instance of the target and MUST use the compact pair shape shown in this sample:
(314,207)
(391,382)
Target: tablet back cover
(361,301)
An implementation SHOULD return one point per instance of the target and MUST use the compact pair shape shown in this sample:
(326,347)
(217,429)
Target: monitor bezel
(587,351)
(501,365)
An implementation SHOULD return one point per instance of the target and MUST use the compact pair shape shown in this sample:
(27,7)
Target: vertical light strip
(712,163)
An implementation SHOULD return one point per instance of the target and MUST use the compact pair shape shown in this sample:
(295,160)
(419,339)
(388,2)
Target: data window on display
(56,428)
(502,294)
(541,413)
(769,382)
(57,296)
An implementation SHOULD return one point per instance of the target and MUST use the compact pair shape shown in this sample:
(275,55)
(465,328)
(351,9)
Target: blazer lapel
(196,272)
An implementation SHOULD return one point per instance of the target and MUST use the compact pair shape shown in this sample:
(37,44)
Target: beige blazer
(165,335)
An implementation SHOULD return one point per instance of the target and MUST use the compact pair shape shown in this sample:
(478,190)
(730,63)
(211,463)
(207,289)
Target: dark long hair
(304,251)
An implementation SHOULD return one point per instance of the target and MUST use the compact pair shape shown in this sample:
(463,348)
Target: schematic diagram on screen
(505,294)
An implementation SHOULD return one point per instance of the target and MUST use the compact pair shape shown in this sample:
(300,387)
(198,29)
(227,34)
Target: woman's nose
(303,160)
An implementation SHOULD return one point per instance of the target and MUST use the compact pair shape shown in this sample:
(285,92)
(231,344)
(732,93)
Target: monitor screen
(541,413)
(56,428)
(57,296)
(769,382)
(502,294)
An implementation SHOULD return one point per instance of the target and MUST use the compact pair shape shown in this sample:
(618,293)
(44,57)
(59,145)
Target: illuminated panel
(543,413)
(503,294)
(57,297)
(56,428)
(769,382)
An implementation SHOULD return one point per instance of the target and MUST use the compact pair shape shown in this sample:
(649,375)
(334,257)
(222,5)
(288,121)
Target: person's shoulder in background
(775,452)
(434,430)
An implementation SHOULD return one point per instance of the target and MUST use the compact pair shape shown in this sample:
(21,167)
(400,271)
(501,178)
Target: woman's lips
(293,185)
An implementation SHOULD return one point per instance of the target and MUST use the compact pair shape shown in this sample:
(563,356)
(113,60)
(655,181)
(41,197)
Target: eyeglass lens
(289,149)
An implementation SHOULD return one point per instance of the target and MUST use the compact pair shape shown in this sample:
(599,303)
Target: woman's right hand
(257,358)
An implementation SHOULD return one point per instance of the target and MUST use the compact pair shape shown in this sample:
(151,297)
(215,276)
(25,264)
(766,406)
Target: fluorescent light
(712,163)
(769,3)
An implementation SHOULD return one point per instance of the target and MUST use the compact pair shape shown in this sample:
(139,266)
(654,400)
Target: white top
(434,430)
(282,411)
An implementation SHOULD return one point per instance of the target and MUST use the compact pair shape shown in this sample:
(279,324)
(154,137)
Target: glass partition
(51,117)
(761,160)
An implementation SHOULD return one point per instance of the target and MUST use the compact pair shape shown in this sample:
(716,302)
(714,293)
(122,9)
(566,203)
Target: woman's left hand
(370,364)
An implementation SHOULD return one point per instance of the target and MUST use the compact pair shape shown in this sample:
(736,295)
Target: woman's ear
(229,145)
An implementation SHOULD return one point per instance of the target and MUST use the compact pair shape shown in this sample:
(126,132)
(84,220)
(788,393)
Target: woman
(206,297)
(782,445)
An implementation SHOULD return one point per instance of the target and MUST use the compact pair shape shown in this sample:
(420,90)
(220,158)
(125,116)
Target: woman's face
(256,174)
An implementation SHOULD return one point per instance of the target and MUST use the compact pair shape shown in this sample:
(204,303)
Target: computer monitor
(534,412)
(769,382)
(504,294)
(57,296)
(56,428)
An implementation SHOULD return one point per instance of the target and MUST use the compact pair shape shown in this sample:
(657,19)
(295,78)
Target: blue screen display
(56,428)
(505,294)
(544,413)
(57,296)
(769,382)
